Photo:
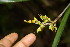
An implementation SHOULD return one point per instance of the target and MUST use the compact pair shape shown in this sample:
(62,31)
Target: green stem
(61,28)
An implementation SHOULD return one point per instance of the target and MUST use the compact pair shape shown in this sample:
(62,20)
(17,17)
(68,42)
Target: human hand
(26,41)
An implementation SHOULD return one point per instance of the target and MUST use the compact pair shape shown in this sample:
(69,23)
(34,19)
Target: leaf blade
(61,28)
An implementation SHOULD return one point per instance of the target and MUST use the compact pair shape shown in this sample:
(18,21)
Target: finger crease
(24,43)
(8,40)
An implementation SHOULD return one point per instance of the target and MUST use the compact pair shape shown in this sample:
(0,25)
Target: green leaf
(61,28)
(6,1)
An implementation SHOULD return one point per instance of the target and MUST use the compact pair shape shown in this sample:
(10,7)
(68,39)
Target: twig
(62,13)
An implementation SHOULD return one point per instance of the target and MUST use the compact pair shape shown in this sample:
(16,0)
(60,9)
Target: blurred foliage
(6,1)
(12,16)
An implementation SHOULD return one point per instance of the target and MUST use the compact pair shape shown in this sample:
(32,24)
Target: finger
(26,41)
(8,40)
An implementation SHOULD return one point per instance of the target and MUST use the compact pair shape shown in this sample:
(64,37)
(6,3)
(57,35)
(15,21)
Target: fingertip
(32,35)
(26,41)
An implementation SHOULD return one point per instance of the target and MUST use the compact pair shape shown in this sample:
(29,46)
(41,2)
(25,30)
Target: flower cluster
(46,21)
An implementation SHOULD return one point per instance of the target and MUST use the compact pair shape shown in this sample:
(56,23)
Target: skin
(26,41)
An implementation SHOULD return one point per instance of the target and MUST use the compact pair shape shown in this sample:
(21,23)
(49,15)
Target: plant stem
(62,13)
(61,28)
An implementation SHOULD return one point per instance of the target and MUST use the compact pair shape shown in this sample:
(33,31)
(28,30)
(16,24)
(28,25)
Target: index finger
(26,41)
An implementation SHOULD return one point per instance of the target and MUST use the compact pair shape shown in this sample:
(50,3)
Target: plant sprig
(46,21)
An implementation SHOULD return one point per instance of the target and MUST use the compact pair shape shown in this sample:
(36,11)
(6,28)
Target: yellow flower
(40,28)
(43,17)
(35,19)
(38,22)
(49,19)
(45,21)
(52,27)
(27,21)
(55,27)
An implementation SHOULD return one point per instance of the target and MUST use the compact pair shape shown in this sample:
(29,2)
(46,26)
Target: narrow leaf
(61,28)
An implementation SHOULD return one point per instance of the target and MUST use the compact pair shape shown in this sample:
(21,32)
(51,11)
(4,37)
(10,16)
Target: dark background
(12,16)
